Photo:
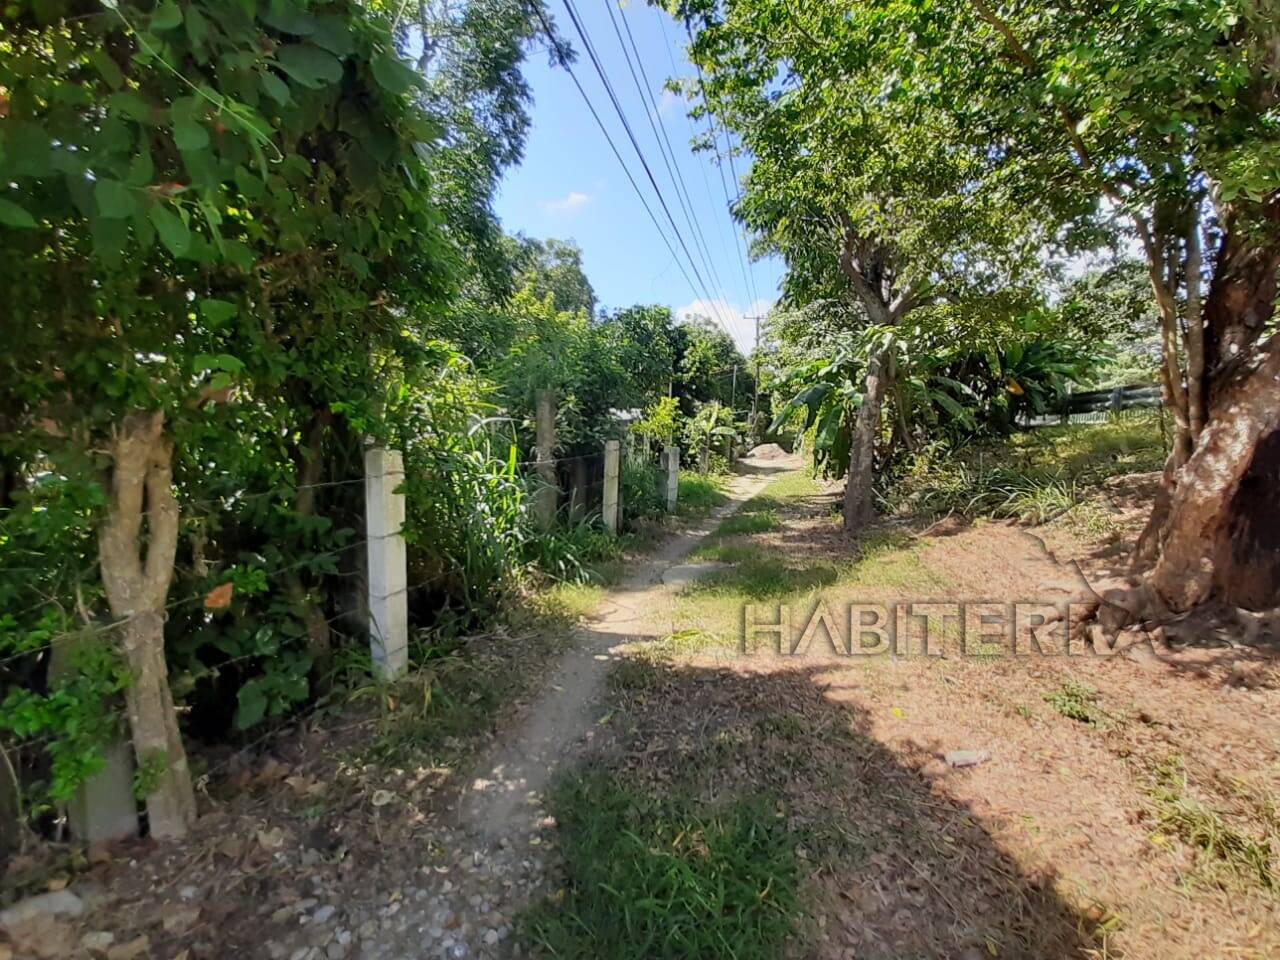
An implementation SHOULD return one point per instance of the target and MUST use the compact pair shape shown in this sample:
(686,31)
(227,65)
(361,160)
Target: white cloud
(720,310)
(571,204)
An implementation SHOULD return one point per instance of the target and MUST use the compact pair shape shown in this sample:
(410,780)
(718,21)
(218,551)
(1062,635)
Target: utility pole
(755,399)
(733,390)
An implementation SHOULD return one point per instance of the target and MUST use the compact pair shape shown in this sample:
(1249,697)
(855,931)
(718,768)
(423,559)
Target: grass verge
(649,878)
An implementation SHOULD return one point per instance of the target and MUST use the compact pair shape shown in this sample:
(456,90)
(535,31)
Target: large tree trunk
(137,568)
(858,505)
(1214,530)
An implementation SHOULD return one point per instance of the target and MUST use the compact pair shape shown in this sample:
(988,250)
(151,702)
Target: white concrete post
(388,600)
(611,459)
(547,495)
(672,457)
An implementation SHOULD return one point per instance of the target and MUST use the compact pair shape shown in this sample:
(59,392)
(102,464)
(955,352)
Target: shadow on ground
(891,865)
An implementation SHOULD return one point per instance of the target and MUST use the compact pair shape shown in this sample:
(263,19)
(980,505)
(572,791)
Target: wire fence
(1098,406)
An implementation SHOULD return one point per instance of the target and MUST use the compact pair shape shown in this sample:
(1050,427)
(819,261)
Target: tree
(861,194)
(211,204)
(1165,111)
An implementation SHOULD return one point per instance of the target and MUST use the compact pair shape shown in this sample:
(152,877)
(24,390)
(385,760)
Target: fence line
(1096,406)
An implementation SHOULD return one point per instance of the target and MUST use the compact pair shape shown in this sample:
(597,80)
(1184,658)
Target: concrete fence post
(671,475)
(388,574)
(611,460)
(103,808)
(545,425)
(1117,400)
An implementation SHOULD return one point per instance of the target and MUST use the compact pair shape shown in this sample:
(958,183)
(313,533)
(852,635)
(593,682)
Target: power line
(715,145)
(702,167)
(582,32)
(559,54)
(659,131)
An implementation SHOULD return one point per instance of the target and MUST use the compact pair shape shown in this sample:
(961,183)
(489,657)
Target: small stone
(98,941)
(335,951)
(179,919)
(128,951)
(188,893)
(324,914)
(491,937)
(966,758)
(59,903)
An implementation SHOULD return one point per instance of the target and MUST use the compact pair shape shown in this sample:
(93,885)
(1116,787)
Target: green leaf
(174,233)
(130,104)
(189,134)
(12,215)
(275,88)
(251,704)
(197,27)
(334,34)
(167,16)
(288,18)
(393,75)
(218,361)
(218,312)
(309,65)
(107,68)
(115,200)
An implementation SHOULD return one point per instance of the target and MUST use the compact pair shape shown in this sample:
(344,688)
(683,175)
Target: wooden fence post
(388,575)
(1117,396)
(671,461)
(611,459)
(545,424)
(1066,407)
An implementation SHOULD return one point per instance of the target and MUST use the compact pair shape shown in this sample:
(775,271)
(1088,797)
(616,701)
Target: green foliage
(1075,701)
(660,423)
(648,878)
(699,494)
(569,554)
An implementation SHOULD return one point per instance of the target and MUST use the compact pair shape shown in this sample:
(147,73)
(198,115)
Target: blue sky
(570,185)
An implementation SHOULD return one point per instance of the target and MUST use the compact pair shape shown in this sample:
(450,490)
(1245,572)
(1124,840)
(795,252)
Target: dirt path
(491,844)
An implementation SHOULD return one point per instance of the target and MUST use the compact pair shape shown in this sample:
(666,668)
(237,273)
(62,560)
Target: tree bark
(858,504)
(137,568)
(1215,519)
(1211,532)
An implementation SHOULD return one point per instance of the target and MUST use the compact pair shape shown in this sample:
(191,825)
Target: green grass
(744,522)
(1033,476)
(1078,702)
(699,494)
(648,878)
(1226,856)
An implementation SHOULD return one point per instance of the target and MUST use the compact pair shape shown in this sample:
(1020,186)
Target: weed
(1075,701)
(746,523)
(699,494)
(1226,856)
(663,878)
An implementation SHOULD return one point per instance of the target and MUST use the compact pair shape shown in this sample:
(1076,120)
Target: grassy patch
(663,878)
(1033,476)
(1075,701)
(699,494)
(765,578)
(745,522)
(1226,856)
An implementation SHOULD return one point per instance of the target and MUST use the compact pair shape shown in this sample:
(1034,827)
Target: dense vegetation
(242,241)
(920,165)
